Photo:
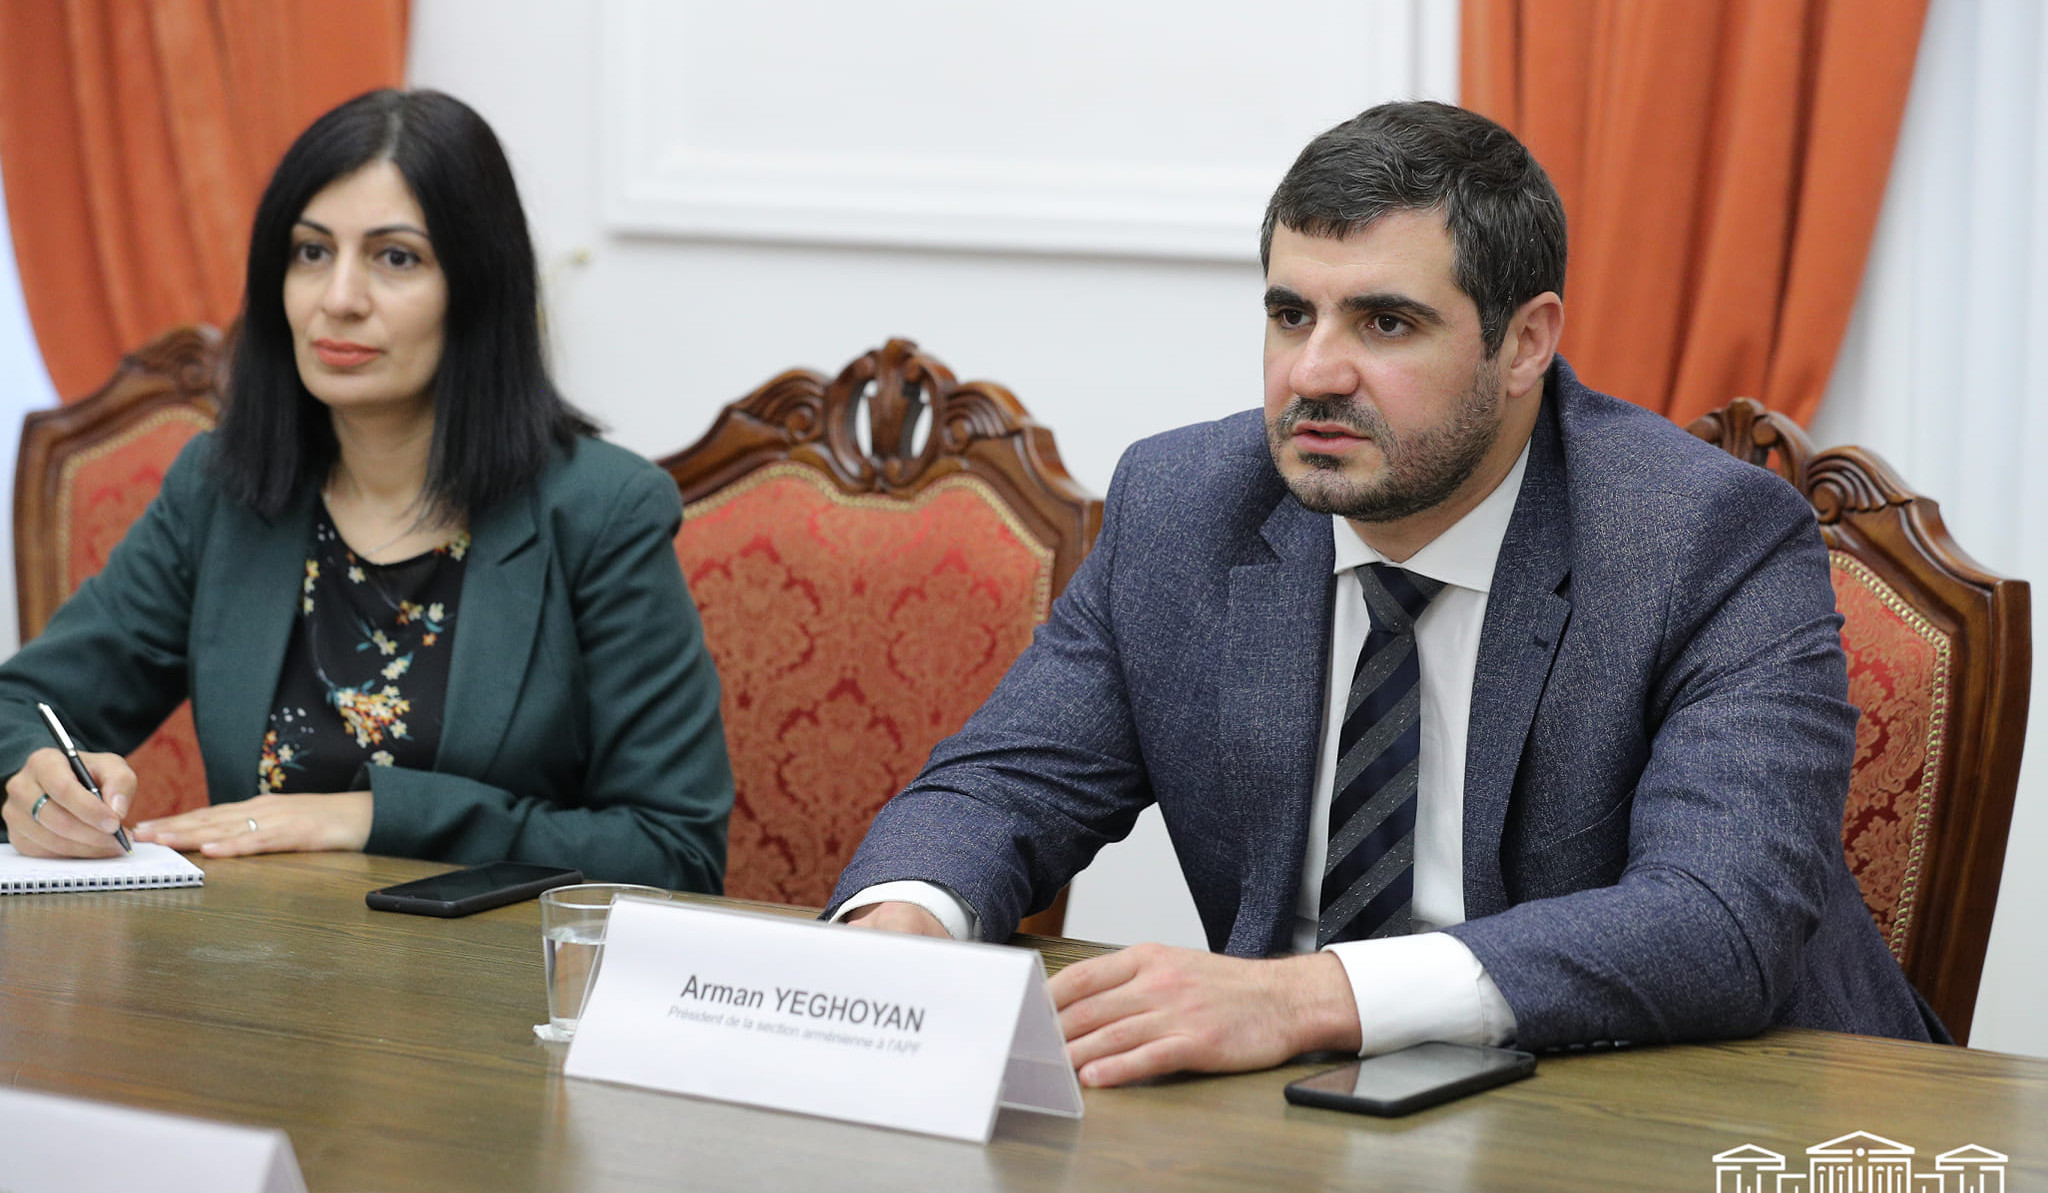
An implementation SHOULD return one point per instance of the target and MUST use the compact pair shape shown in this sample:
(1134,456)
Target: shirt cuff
(1429,986)
(949,909)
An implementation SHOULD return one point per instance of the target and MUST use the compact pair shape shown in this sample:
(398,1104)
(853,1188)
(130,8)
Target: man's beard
(1419,471)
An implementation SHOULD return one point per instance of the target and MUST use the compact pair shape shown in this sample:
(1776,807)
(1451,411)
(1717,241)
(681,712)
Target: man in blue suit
(1480,706)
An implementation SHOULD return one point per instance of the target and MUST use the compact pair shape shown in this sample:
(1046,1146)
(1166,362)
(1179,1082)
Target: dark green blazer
(581,726)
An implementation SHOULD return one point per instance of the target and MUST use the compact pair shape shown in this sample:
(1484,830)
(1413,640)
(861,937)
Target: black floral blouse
(366,675)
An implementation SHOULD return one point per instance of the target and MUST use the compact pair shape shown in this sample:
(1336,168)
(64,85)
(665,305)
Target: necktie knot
(1396,595)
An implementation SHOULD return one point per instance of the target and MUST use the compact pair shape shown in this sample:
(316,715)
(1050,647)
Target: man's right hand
(907,918)
(71,823)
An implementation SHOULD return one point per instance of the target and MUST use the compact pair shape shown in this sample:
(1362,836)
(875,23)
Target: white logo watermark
(1860,1162)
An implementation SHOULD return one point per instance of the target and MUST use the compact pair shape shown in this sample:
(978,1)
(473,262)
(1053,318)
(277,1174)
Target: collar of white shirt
(1464,554)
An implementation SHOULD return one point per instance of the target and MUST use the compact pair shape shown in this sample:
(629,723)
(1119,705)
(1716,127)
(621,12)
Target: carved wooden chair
(869,555)
(1940,656)
(85,472)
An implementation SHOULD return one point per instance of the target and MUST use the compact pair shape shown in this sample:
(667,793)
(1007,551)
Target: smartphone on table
(479,888)
(1403,1082)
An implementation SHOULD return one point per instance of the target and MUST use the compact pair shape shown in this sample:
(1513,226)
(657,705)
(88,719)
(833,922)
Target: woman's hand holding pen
(267,824)
(70,822)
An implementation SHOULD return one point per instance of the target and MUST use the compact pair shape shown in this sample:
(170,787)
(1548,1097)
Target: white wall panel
(1063,125)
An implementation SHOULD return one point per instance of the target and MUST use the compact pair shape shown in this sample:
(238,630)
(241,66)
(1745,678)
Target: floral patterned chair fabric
(1940,656)
(86,471)
(862,595)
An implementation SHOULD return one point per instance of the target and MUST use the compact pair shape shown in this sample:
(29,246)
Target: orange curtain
(136,137)
(1722,163)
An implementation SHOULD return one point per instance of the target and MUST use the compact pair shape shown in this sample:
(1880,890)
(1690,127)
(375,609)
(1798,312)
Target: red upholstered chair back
(1940,656)
(86,471)
(869,554)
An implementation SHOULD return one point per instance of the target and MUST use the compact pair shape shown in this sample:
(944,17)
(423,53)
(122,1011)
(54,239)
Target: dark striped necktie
(1369,875)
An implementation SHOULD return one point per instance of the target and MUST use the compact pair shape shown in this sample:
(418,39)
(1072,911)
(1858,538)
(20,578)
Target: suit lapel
(1526,613)
(498,622)
(251,601)
(1270,714)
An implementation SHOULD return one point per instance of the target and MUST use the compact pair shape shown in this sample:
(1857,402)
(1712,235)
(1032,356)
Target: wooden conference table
(397,1051)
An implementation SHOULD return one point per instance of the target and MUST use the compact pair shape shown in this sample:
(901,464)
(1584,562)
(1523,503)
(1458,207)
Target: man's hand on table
(907,918)
(1153,1009)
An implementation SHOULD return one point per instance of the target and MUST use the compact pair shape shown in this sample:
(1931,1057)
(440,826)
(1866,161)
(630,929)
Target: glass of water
(572,922)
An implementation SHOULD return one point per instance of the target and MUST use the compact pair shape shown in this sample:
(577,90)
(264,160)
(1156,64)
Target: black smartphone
(1406,1081)
(464,892)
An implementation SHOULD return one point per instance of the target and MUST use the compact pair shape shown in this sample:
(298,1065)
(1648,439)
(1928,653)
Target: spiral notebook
(149,866)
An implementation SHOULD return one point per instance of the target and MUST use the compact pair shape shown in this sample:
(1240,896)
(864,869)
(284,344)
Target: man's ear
(1531,342)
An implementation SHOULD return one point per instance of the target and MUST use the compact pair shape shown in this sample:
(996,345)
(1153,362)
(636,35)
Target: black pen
(63,740)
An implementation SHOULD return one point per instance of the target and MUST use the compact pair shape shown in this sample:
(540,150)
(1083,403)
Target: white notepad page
(149,866)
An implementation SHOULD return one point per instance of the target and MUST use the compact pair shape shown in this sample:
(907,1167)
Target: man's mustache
(1360,418)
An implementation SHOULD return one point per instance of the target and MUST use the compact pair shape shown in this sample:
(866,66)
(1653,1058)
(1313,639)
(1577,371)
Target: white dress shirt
(1426,986)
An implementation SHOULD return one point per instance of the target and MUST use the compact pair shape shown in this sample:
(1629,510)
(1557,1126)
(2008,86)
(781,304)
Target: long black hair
(497,415)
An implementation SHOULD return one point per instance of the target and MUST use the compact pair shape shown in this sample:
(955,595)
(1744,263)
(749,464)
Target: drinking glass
(572,920)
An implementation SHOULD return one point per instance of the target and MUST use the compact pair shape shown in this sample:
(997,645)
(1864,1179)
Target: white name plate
(870,1027)
(64,1145)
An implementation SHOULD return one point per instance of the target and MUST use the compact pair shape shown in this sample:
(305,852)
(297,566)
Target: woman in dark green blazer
(418,608)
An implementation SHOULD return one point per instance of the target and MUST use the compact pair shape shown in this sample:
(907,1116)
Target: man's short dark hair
(1505,219)
(497,415)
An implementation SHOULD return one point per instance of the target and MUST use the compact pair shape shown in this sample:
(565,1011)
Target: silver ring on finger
(36,813)
(252,822)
